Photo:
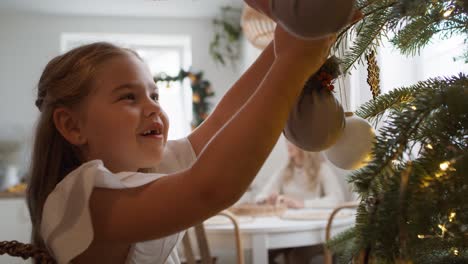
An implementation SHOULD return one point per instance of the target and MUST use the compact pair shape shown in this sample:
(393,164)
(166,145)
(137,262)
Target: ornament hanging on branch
(317,119)
(312,19)
(373,74)
(201,89)
(353,149)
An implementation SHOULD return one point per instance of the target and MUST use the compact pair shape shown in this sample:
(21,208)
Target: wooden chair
(326,252)
(205,254)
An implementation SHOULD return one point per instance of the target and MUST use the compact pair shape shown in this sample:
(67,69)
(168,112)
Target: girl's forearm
(252,132)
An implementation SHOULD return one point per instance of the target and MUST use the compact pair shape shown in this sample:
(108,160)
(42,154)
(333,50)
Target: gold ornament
(373,74)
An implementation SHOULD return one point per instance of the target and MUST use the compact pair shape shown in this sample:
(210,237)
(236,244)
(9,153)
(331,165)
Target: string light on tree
(444,165)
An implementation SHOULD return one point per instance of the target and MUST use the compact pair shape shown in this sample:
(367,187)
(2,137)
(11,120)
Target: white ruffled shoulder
(66,221)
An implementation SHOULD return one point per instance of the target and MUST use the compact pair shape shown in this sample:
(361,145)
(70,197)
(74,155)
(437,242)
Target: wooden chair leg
(239,247)
(203,244)
(188,250)
(328,258)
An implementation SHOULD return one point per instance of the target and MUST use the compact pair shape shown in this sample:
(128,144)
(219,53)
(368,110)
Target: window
(434,60)
(162,53)
(397,70)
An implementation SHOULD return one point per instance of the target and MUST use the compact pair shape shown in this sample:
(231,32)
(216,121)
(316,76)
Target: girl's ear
(67,123)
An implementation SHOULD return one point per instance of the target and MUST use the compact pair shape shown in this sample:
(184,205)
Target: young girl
(305,181)
(107,187)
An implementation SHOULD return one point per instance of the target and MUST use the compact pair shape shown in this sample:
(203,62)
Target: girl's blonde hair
(65,82)
(311,164)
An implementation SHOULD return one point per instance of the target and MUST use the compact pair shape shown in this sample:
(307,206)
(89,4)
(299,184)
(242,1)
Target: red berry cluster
(326,80)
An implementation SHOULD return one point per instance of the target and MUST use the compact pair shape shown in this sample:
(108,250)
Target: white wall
(29,41)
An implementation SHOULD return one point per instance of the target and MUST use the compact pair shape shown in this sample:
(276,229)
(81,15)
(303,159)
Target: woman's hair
(65,82)
(312,161)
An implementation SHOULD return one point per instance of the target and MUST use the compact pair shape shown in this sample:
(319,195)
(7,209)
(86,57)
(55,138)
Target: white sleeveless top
(66,221)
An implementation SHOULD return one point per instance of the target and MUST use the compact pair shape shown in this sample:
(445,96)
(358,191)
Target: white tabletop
(260,234)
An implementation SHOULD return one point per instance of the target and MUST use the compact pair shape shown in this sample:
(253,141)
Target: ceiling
(131,8)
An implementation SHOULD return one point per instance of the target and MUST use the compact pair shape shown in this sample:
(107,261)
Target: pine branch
(367,39)
(440,106)
(395,100)
(415,35)
(344,246)
(414,22)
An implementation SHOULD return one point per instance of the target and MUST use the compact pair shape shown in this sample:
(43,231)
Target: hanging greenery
(201,90)
(225,46)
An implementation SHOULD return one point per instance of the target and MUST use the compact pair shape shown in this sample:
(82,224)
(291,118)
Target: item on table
(253,209)
(308,215)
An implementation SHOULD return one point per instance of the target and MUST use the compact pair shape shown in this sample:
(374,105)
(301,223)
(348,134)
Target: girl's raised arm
(227,164)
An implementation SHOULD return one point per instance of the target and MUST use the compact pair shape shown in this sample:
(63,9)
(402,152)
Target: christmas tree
(414,193)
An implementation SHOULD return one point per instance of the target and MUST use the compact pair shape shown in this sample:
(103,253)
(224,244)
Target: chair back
(203,247)
(327,253)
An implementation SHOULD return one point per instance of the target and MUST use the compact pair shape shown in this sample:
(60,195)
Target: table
(261,234)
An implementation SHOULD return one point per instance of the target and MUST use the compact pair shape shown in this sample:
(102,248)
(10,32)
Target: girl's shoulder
(178,155)
(66,219)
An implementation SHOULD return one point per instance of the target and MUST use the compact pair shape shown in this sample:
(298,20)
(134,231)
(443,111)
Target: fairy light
(452,216)
(449,12)
(414,107)
(444,165)
(429,146)
(443,229)
(421,236)
(455,252)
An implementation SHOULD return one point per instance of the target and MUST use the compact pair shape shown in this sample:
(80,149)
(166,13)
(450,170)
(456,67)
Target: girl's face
(123,122)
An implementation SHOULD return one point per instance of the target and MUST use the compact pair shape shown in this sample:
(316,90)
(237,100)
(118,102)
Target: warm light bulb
(452,216)
(444,165)
(429,146)
(425,184)
(449,12)
(414,107)
(421,236)
(443,229)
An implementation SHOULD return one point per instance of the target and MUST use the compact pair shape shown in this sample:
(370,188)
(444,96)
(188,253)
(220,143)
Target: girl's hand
(271,199)
(307,53)
(290,202)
